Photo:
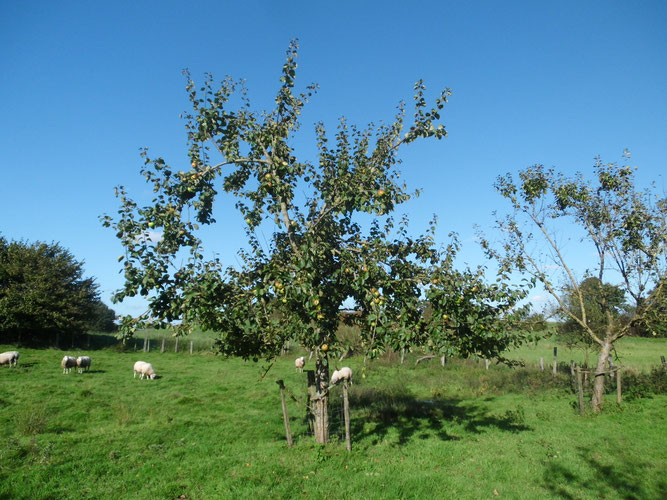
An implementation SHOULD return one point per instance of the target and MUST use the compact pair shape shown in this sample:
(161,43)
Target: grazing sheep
(343,374)
(83,362)
(299,363)
(68,363)
(9,357)
(144,369)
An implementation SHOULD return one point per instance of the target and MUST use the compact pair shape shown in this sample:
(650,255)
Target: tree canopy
(43,292)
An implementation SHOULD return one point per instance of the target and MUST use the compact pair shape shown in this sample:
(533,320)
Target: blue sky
(84,85)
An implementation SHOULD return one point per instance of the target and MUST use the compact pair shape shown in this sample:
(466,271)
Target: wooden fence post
(346,413)
(443,360)
(312,391)
(191,342)
(176,346)
(486,364)
(163,342)
(580,391)
(555,370)
(402,355)
(619,397)
(288,432)
(664,363)
(542,364)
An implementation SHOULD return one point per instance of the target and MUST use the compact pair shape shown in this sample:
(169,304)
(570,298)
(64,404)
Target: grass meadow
(211,427)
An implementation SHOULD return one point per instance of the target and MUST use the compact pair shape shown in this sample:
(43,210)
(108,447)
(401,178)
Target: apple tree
(623,235)
(333,238)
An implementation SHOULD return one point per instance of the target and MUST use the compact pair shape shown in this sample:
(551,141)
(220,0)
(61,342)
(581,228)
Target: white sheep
(343,374)
(83,362)
(144,369)
(299,363)
(68,363)
(9,357)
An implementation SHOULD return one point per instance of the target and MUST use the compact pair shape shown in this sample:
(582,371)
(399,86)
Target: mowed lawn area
(211,427)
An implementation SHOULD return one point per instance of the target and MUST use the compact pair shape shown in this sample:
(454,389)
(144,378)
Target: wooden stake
(312,390)
(176,346)
(191,342)
(555,370)
(163,341)
(580,391)
(346,413)
(288,432)
(486,363)
(619,397)
(542,364)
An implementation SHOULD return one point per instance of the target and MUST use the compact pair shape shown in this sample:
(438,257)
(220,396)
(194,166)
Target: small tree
(319,257)
(43,292)
(625,227)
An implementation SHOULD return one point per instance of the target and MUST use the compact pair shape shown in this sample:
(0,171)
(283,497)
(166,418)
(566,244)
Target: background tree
(43,293)
(102,319)
(332,241)
(600,300)
(625,227)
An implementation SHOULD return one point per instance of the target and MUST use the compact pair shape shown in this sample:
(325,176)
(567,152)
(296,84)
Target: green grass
(641,354)
(209,427)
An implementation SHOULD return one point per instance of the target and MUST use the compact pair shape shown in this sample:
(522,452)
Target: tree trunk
(598,386)
(320,406)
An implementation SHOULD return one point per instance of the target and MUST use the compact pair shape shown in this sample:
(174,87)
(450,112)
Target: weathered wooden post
(312,390)
(580,391)
(191,343)
(443,360)
(148,343)
(572,367)
(176,346)
(163,342)
(542,364)
(486,364)
(555,370)
(288,432)
(619,397)
(664,363)
(346,413)
(402,355)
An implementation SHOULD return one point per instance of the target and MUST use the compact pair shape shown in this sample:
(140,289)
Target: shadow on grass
(394,409)
(610,474)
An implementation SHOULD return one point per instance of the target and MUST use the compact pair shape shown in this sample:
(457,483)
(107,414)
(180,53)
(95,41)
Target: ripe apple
(380,192)
(324,347)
